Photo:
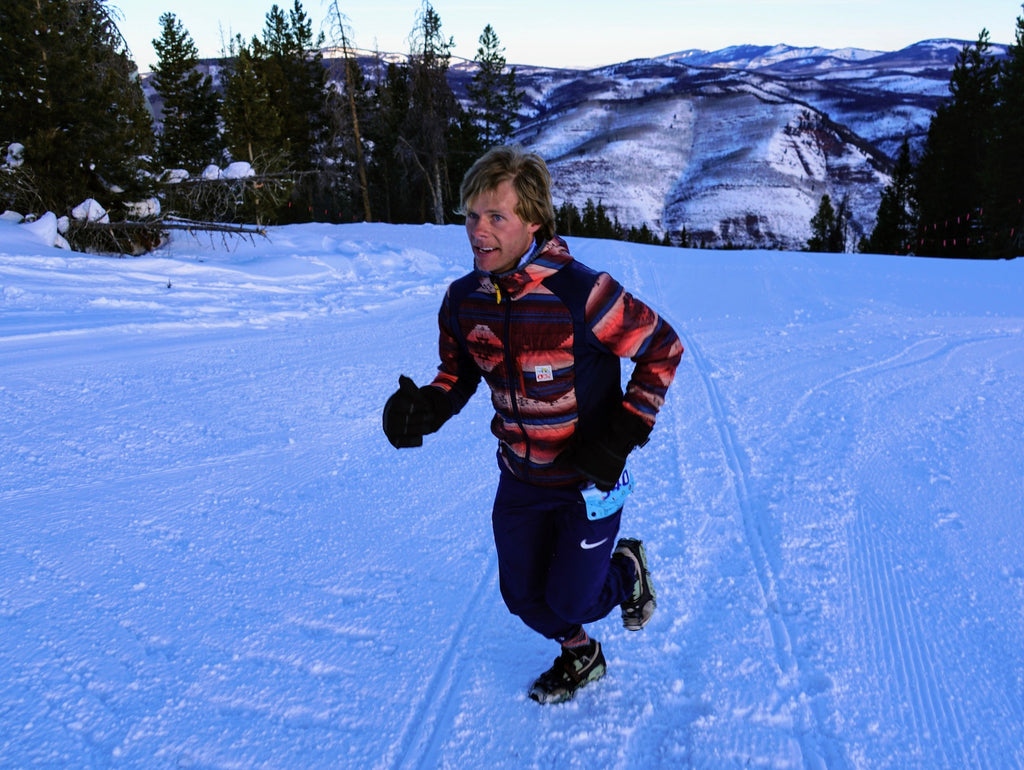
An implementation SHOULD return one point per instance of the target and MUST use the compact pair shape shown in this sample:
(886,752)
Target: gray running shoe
(572,670)
(638,609)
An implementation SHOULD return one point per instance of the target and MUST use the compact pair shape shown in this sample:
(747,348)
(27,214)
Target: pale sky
(591,33)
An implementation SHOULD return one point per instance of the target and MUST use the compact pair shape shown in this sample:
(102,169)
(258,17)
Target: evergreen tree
(253,126)
(568,220)
(608,228)
(190,137)
(595,223)
(254,133)
(589,224)
(390,196)
(464,147)
(949,181)
(828,227)
(894,227)
(495,99)
(70,93)
(275,113)
(290,64)
(642,234)
(1004,187)
(433,110)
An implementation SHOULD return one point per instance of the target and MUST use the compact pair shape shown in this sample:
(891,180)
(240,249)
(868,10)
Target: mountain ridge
(738,145)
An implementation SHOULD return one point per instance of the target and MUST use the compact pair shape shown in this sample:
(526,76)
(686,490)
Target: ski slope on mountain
(212,557)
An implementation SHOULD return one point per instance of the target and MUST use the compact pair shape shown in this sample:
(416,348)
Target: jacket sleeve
(457,374)
(630,329)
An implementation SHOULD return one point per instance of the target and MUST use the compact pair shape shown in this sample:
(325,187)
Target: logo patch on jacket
(544,374)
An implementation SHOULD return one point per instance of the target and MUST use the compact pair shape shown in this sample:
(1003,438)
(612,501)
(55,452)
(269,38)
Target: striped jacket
(547,338)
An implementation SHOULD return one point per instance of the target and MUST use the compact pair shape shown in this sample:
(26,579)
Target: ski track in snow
(817,749)
(436,712)
(212,558)
(939,732)
(915,638)
(809,731)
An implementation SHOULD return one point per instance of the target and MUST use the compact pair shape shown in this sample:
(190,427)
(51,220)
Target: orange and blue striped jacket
(548,338)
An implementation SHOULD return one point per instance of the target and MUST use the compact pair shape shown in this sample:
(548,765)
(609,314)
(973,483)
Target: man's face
(498,236)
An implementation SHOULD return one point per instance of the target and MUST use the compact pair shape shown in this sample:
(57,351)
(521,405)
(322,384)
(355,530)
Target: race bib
(601,504)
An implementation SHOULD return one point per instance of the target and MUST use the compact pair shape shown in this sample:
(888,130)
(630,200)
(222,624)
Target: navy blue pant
(554,564)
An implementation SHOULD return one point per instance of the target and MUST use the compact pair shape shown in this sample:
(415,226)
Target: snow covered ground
(211,556)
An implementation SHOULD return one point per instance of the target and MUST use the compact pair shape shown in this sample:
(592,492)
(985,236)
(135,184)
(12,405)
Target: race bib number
(601,504)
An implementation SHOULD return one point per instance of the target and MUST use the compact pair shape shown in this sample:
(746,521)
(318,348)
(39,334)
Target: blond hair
(529,177)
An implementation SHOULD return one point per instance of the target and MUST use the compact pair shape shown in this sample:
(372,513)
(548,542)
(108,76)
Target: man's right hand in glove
(603,458)
(413,412)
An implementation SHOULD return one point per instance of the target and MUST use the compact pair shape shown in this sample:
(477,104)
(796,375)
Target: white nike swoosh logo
(587,546)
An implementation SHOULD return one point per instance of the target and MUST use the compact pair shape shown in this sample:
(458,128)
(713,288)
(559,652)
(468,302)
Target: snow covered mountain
(739,145)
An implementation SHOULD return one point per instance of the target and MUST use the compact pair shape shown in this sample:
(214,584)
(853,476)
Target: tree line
(962,194)
(593,221)
(325,140)
(321,139)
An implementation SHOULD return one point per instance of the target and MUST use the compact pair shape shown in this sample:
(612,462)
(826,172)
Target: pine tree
(641,234)
(254,133)
(70,93)
(275,112)
(423,144)
(344,157)
(289,62)
(894,226)
(568,220)
(190,137)
(595,222)
(825,224)
(493,93)
(590,225)
(390,195)
(1004,186)
(949,180)
(253,126)
(292,65)
(464,147)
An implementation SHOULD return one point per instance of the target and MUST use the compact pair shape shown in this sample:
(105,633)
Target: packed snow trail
(213,558)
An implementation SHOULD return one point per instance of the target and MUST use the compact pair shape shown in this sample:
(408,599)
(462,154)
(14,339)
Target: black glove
(603,458)
(413,412)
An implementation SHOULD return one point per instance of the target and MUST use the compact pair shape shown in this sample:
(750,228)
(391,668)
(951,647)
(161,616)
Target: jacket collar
(545,260)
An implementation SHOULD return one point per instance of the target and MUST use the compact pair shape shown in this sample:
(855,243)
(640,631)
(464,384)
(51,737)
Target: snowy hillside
(739,145)
(213,558)
(883,96)
(730,156)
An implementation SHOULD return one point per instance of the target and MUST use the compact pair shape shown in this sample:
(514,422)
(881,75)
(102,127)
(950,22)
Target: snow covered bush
(90,210)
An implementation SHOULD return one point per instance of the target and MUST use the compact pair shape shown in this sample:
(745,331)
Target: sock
(577,640)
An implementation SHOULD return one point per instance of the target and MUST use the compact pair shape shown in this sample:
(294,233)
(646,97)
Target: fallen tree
(133,238)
